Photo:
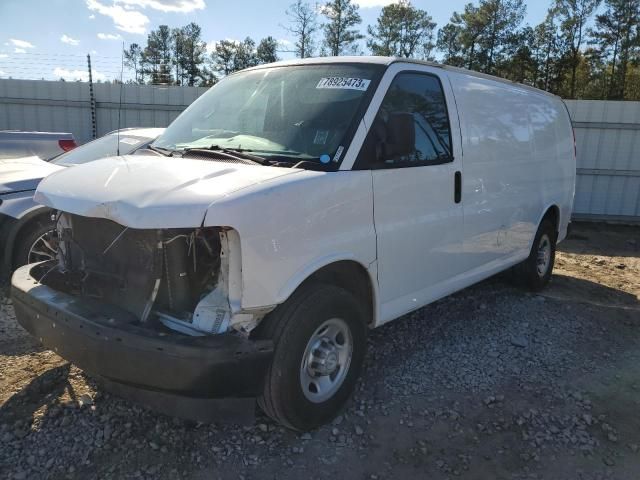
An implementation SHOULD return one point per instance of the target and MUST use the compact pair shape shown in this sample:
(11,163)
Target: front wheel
(535,271)
(37,242)
(319,338)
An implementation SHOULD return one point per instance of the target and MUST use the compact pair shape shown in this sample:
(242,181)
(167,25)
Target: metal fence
(608,170)
(607,133)
(66,106)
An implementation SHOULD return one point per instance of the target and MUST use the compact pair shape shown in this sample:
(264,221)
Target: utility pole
(92,101)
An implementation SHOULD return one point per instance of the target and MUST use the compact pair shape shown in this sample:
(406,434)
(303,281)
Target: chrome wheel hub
(544,255)
(44,248)
(326,360)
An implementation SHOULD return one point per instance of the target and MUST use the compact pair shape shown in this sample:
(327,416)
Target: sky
(51,38)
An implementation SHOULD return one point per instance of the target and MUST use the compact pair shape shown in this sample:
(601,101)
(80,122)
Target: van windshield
(295,113)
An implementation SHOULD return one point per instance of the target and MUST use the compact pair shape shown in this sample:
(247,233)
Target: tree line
(579,50)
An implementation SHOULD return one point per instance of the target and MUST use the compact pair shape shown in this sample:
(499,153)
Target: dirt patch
(492,382)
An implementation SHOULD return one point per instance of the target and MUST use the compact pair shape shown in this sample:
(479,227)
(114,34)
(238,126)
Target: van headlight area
(137,305)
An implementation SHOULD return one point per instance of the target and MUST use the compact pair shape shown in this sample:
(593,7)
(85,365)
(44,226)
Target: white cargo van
(287,211)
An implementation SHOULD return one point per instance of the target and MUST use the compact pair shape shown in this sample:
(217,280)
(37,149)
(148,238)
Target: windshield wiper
(240,153)
(293,162)
(162,151)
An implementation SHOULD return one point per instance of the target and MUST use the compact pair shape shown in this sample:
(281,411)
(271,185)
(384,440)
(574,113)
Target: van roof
(377,60)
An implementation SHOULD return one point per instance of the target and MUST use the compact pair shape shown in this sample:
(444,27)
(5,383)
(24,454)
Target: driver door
(417,210)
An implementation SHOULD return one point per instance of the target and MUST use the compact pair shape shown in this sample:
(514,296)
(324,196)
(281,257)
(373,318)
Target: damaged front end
(152,308)
(178,277)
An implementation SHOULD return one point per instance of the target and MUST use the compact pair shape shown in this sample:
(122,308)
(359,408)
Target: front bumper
(93,337)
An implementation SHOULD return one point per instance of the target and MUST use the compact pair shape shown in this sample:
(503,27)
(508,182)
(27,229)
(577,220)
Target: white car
(27,233)
(44,145)
(296,206)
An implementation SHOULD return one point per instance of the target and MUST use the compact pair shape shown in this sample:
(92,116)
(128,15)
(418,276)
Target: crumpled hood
(142,191)
(20,174)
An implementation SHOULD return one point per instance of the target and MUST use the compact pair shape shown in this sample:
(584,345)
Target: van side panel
(291,228)
(553,150)
(517,162)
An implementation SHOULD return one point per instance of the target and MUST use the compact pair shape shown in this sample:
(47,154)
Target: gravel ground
(491,383)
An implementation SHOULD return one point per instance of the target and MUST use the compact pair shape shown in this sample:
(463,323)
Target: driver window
(421,96)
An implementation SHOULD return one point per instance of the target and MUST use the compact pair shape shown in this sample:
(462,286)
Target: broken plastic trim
(188,280)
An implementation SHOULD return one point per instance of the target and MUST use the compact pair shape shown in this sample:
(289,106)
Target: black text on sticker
(344,83)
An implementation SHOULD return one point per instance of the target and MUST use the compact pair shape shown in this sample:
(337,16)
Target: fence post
(92,101)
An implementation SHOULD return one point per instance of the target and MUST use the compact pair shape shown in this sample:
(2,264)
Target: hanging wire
(60,66)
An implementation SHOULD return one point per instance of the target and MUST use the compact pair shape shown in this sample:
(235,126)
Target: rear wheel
(37,242)
(535,272)
(319,339)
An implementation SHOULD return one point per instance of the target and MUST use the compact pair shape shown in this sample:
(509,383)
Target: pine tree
(191,54)
(574,15)
(303,25)
(230,56)
(133,59)
(340,34)
(546,51)
(402,30)
(450,43)
(157,55)
(266,52)
(617,34)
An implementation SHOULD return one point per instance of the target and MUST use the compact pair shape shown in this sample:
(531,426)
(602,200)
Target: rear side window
(421,96)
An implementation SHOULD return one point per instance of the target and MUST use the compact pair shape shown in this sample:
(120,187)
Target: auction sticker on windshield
(346,83)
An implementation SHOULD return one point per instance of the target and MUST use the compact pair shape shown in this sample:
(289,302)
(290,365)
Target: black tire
(291,327)
(528,272)
(28,235)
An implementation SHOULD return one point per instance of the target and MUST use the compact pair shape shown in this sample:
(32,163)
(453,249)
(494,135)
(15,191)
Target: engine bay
(174,277)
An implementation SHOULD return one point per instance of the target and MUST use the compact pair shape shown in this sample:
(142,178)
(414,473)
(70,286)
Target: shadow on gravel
(16,347)
(567,288)
(479,327)
(42,391)
(603,239)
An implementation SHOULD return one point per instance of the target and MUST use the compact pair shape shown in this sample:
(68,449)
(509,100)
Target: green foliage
(189,53)
(617,36)
(573,15)
(403,31)
(267,51)
(230,56)
(577,51)
(483,37)
(340,34)
(303,24)
(133,60)
(156,56)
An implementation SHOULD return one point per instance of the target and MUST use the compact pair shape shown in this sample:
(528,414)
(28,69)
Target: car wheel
(319,338)
(37,242)
(535,272)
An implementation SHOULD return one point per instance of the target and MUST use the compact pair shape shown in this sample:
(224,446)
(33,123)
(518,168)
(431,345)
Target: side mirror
(401,135)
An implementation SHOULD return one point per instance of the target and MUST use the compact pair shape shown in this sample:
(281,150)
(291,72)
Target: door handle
(457,187)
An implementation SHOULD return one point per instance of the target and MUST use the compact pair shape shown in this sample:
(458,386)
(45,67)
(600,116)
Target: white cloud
(21,43)
(109,36)
(181,6)
(130,21)
(19,50)
(3,55)
(73,75)
(2,74)
(374,3)
(68,40)
(92,17)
